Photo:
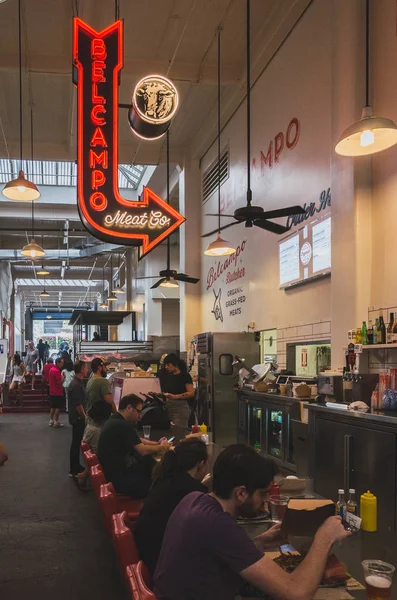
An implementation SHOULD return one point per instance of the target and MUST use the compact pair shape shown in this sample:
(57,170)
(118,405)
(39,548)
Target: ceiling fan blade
(221,229)
(218,215)
(185,278)
(282,212)
(269,226)
(159,282)
(147,277)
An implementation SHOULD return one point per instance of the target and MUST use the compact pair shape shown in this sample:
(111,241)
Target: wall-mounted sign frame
(98,60)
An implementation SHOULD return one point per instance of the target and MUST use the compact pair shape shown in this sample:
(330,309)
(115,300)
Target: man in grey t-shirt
(98,387)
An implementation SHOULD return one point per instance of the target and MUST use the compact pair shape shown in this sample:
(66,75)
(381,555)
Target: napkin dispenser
(304,517)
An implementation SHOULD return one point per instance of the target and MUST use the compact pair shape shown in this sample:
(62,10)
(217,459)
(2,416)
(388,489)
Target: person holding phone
(180,472)
(177,386)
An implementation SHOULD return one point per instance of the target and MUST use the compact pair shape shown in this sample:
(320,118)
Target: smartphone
(288,549)
(171,439)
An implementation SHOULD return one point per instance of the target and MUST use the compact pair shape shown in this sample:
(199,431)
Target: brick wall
(307,332)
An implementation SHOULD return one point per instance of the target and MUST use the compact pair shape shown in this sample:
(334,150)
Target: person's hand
(163,448)
(333,530)
(270,538)
(170,396)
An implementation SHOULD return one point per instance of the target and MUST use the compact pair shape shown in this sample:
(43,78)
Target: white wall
(170,317)
(296,84)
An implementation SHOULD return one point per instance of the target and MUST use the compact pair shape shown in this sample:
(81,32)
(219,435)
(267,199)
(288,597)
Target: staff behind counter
(177,385)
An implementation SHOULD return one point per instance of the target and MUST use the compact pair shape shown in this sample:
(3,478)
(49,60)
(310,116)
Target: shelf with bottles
(377,334)
(361,347)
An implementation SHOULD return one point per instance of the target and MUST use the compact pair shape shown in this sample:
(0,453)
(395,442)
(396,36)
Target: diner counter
(355,549)
(381,417)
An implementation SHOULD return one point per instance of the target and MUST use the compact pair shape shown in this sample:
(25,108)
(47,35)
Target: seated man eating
(205,553)
(126,459)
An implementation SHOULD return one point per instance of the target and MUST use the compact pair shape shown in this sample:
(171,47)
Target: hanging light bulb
(170,282)
(32,250)
(42,271)
(111,298)
(44,294)
(219,247)
(48,317)
(117,290)
(370,134)
(103,304)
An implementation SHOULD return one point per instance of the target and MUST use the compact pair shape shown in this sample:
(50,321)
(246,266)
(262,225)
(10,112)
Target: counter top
(265,396)
(376,416)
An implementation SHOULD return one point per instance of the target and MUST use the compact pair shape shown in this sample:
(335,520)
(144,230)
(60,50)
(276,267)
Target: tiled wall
(381,359)
(307,332)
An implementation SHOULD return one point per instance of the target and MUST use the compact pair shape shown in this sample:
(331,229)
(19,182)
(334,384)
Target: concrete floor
(53,542)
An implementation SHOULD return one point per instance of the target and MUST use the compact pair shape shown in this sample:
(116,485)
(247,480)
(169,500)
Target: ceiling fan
(254,215)
(169,277)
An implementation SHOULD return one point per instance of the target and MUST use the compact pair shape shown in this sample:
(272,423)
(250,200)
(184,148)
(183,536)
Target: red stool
(97,479)
(84,447)
(112,504)
(90,458)
(139,583)
(124,542)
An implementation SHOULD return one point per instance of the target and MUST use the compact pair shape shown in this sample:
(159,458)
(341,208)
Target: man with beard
(205,553)
(98,386)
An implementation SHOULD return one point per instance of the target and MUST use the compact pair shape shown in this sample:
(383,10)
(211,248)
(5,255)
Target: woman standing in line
(31,360)
(18,378)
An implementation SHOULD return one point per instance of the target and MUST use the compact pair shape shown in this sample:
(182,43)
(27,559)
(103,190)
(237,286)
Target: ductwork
(42,212)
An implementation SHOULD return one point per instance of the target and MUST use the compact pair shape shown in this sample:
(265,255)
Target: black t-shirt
(41,348)
(163,498)
(176,384)
(116,447)
(76,397)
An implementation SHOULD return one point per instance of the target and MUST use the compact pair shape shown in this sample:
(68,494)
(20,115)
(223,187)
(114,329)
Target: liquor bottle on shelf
(394,332)
(359,336)
(370,333)
(364,334)
(376,327)
(381,331)
(389,330)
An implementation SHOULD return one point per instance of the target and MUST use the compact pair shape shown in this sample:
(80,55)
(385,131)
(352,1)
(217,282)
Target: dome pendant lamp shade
(103,305)
(32,250)
(21,189)
(42,271)
(367,136)
(111,298)
(118,290)
(170,282)
(44,294)
(219,247)
(370,134)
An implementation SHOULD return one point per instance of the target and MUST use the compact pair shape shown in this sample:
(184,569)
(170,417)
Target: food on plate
(334,574)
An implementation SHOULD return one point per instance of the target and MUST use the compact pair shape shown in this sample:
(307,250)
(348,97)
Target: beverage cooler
(217,403)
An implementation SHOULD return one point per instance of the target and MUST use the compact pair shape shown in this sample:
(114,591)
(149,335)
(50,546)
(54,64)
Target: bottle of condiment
(203,428)
(394,332)
(381,331)
(370,333)
(376,327)
(389,330)
(341,504)
(351,504)
(359,336)
(364,334)
(368,511)
(195,429)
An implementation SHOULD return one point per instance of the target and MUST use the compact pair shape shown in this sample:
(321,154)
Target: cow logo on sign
(154,103)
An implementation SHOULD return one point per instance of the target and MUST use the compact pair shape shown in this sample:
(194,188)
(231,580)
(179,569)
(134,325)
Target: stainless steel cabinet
(351,455)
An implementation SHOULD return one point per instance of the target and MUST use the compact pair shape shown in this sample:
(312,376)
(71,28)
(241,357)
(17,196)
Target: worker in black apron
(177,385)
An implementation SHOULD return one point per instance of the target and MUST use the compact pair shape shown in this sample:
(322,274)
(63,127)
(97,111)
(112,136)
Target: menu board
(306,253)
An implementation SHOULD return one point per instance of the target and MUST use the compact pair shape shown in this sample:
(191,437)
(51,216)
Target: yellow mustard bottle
(203,428)
(368,511)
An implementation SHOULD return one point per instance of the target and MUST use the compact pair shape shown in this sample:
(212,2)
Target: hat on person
(97,362)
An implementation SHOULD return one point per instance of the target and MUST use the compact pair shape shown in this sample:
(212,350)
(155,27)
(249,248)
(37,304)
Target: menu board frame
(305,250)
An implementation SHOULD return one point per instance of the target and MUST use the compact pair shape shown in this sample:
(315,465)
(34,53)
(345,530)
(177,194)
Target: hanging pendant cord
(168,197)
(31,151)
(249,192)
(20,77)
(367,53)
(116,10)
(219,130)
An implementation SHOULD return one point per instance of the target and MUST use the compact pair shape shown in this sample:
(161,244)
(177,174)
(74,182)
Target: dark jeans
(77,436)
(135,482)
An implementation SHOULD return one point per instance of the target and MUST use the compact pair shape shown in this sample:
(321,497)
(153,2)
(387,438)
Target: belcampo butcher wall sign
(98,60)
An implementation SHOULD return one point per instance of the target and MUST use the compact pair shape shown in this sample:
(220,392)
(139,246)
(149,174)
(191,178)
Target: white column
(190,251)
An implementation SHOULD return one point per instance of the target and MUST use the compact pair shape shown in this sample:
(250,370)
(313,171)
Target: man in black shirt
(76,397)
(178,387)
(179,473)
(126,459)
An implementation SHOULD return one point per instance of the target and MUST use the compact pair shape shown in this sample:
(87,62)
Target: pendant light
(42,271)
(103,303)
(370,134)
(32,250)
(48,317)
(21,189)
(44,293)
(111,297)
(219,247)
(117,289)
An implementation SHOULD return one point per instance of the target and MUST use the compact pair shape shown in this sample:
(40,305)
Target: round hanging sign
(154,103)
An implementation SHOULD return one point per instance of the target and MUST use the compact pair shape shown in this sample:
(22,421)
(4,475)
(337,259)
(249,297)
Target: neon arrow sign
(98,58)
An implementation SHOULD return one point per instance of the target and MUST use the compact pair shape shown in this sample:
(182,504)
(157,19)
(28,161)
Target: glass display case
(275,433)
